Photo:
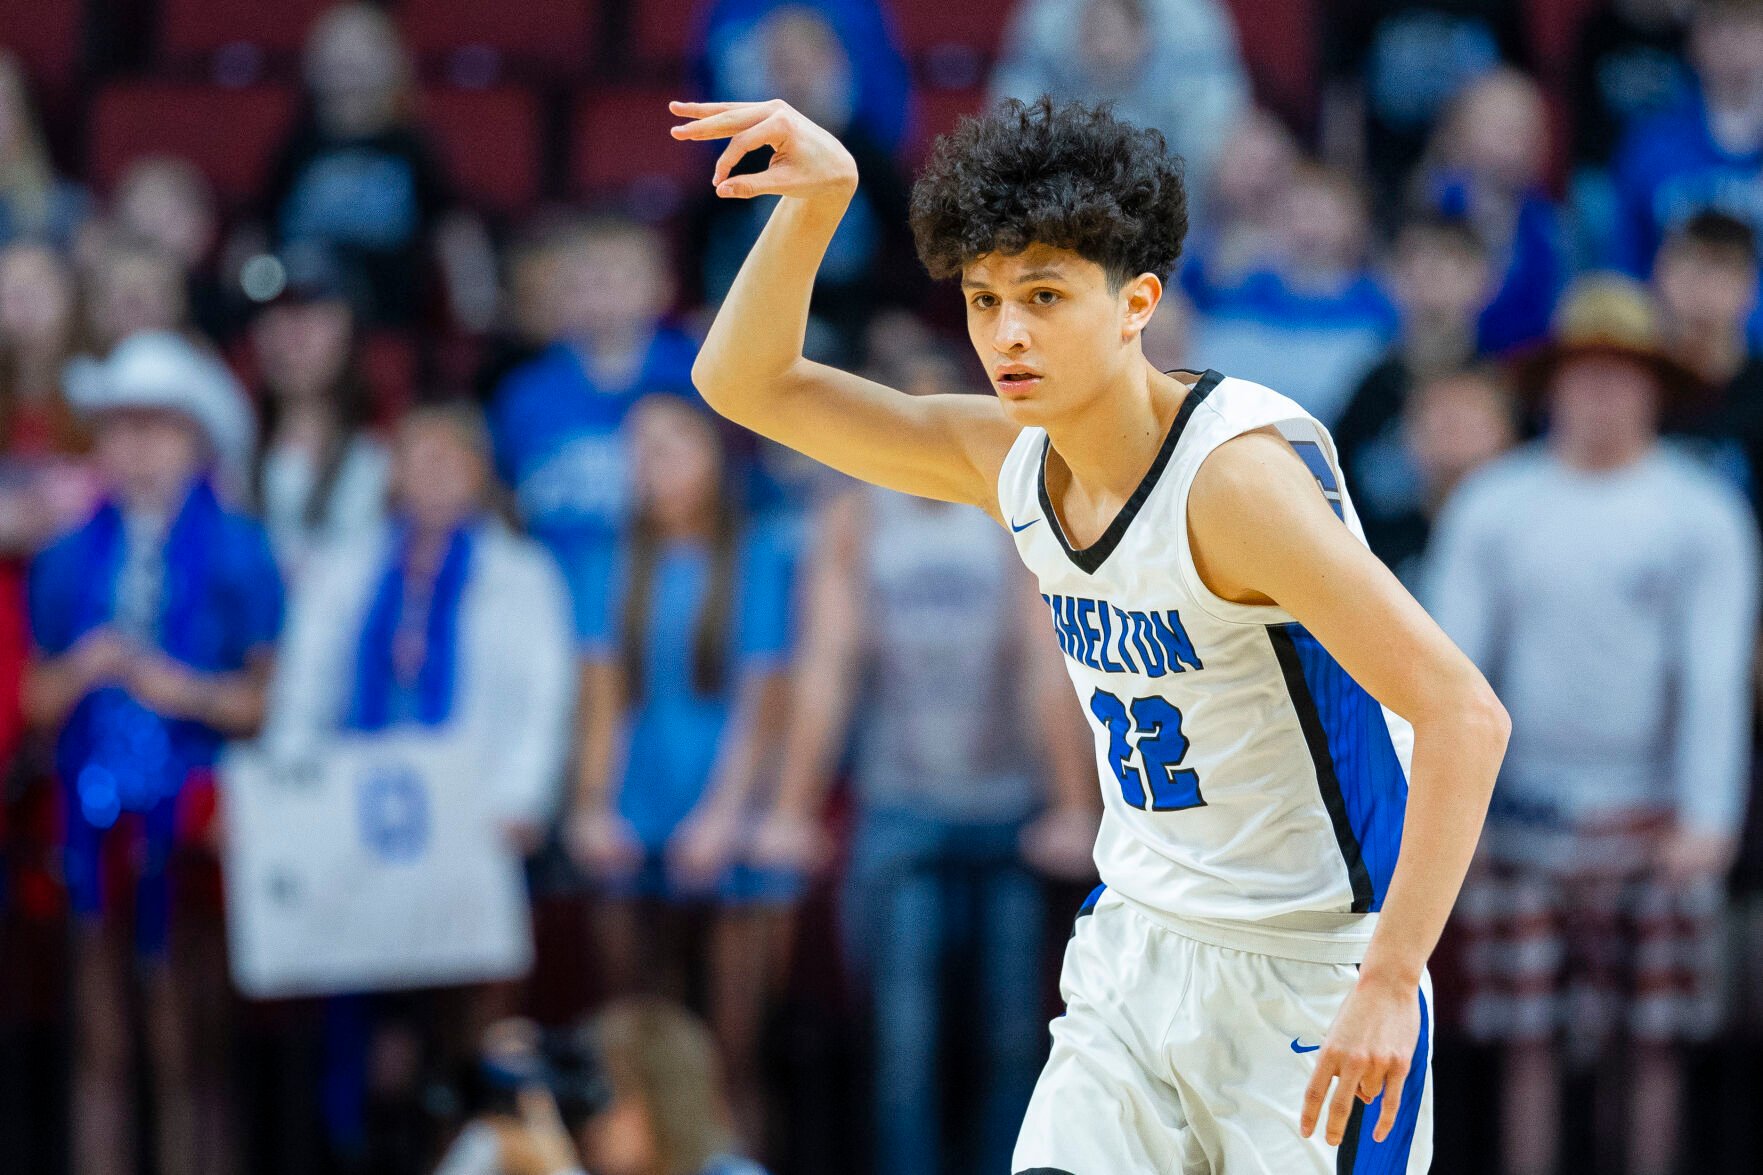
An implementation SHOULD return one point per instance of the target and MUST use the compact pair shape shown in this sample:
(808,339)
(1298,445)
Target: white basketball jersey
(1253,793)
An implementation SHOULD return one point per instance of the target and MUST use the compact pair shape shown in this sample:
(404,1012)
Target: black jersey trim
(1093,556)
(1346,1157)
(1316,738)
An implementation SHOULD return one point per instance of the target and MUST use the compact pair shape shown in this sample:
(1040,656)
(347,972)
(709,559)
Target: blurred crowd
(363,462)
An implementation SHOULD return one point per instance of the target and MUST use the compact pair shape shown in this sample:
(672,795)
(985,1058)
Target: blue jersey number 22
(1161,747)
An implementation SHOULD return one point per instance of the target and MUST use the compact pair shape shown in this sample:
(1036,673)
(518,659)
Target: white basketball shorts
(1175,1057)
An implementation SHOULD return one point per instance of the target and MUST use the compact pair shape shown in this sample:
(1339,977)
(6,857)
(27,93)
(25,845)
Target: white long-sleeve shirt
(1615,614)
(515,685)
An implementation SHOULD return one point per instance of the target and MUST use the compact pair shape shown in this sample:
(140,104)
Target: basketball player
(1295,761)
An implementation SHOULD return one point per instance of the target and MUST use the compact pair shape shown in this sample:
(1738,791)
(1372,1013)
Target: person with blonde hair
(34,201)
(670,1111)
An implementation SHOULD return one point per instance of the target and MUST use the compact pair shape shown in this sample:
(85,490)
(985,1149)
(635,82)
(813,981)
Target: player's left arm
(1261,532)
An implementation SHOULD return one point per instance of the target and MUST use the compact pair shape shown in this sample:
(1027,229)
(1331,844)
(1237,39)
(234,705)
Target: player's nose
(1010,331)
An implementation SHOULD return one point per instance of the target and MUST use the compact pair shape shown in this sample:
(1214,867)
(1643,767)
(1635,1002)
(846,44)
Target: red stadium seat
(46,36)
(198,29)
(938,112)
(1278,40)
(388,367)
(620,141)
(489,142)
(663,34)
(551,37)
(928,25)
(229,134)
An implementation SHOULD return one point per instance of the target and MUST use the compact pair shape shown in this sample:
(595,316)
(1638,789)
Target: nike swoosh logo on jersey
(1303,1048)
(1019,529)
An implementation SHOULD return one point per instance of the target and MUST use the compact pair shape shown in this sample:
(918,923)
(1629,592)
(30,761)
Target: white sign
(379,867)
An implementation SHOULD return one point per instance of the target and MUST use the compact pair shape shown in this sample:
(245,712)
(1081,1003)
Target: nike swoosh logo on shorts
(1303,1048)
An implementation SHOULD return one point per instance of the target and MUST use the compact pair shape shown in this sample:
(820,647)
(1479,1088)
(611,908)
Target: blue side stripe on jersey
(1361,779)
(1360,1153)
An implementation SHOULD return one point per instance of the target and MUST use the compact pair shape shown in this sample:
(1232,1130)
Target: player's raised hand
(1367,1052)
(806,161)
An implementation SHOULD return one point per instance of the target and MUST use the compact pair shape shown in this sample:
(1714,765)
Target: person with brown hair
(670,1110)
(684,698)
(321,472)
(1610,587)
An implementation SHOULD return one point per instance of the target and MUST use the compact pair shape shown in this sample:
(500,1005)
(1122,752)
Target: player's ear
(1139,298)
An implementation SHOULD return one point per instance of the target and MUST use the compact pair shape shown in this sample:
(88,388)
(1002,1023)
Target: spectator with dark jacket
(1440,275)
(359,179)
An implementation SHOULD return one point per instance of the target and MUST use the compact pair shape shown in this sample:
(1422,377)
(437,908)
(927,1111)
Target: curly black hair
(1066,174)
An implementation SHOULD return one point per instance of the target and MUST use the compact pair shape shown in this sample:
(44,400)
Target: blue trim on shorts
(1360,1153)
(1089,905)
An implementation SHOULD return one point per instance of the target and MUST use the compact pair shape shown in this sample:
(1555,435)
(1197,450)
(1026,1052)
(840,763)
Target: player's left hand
(1367,1052)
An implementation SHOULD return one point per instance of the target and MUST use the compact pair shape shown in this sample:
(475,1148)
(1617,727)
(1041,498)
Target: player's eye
(984,301)
(1045,297)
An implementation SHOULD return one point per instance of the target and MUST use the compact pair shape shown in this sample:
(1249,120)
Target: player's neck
(1102,452)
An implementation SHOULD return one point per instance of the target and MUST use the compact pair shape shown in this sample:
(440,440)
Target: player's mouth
(1015,380)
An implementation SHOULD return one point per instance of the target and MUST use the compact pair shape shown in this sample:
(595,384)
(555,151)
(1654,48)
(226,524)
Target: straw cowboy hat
(1608,314)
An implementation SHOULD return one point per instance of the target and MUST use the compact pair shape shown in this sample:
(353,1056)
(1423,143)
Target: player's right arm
(751,367)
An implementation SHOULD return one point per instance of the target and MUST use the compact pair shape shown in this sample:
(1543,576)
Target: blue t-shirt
(560,446)
(1668,169)
(1310,346)
(674,733)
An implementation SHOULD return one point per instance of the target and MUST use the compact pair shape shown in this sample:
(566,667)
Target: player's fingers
(725,123)
(766,134)
(1340,1107)
(770,182)
(1315,1094)
(1392,1101)
(702,109)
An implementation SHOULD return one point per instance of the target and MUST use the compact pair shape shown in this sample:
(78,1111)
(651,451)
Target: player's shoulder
(1231,406)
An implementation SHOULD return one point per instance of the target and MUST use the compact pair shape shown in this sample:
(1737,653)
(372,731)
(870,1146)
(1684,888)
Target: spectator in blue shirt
(1486,166)
(1312,319)
(684,691)
(1705,153)
(153,625)
(558,419)
(731,65)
